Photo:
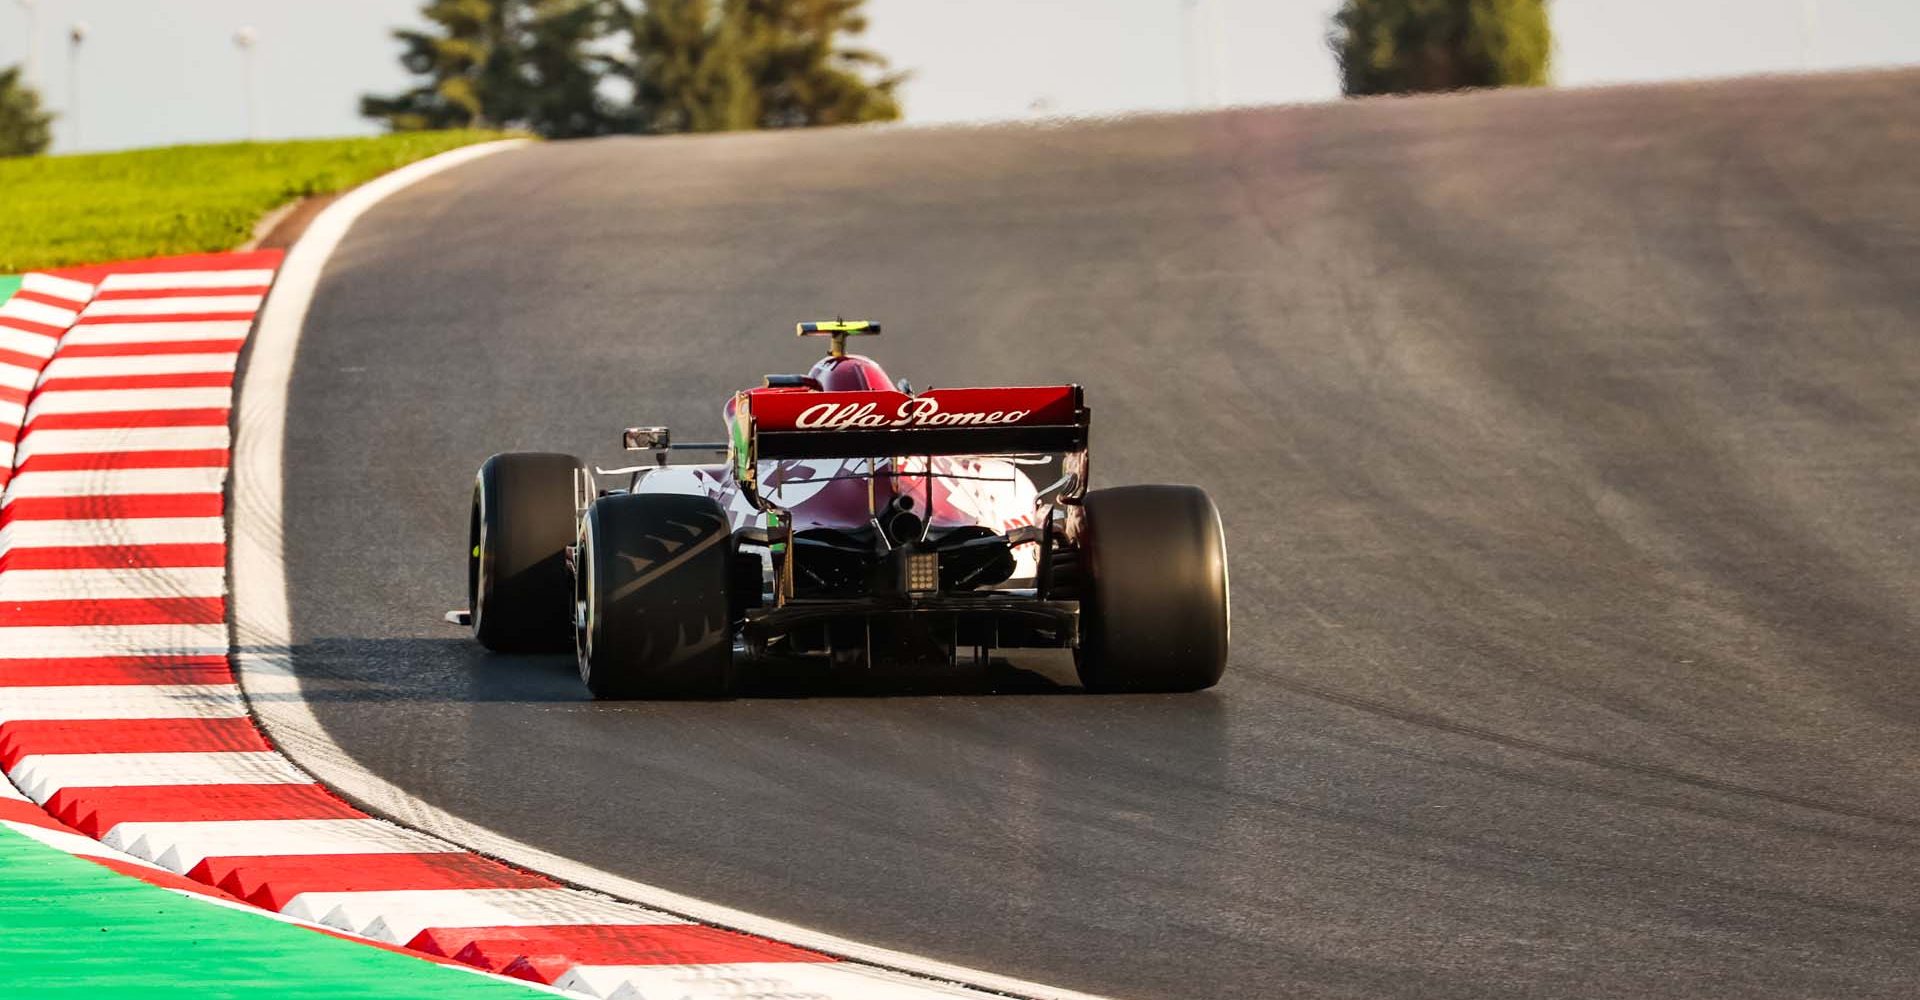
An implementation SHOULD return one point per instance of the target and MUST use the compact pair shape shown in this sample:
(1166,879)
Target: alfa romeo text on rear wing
(1001,421)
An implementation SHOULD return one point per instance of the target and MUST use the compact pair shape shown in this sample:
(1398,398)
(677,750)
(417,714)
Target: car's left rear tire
(653,615)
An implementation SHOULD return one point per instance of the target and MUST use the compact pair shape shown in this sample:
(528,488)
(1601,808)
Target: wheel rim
(584,612)
(477,582)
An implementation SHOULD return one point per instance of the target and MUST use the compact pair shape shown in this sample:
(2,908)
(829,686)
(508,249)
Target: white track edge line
(263,628)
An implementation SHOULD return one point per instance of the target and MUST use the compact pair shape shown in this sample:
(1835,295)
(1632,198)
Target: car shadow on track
(1029,675)
(457,669)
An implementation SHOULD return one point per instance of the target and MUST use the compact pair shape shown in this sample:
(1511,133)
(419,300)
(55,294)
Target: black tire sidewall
(655,575)
(522,521)
(1154,604)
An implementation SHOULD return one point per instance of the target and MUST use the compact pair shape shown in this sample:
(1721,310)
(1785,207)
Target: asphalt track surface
(1568,447)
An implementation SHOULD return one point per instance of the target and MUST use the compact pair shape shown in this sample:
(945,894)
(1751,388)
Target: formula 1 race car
(857,525)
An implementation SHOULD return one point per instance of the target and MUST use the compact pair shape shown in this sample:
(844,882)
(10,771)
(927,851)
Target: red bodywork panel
(802,435)
(807,410)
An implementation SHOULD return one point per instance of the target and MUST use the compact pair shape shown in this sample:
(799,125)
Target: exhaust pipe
(900,523)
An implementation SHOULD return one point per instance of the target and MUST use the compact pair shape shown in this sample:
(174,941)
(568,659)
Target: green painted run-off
(70,928)
(9,283)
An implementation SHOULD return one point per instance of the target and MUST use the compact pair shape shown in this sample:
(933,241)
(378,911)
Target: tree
(696,66)
(25,129)
(503,63)
(802,72)
(1407,46)
(703,66)
(560,71)
(464,65)
(690,71)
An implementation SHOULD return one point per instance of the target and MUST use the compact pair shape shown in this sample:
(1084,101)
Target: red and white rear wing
(1006,421)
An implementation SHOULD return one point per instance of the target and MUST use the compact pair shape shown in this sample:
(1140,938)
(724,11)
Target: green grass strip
(96,208)
(70,928)
(9,284)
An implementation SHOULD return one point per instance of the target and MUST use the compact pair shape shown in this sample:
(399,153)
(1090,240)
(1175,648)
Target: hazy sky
(155,72)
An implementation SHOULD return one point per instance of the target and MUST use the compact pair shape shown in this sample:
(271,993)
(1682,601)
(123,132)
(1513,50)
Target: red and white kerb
(121,719)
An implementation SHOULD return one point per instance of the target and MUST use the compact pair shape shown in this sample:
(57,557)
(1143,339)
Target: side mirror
(646,438)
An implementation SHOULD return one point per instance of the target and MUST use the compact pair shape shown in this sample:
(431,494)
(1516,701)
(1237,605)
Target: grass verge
(58,211)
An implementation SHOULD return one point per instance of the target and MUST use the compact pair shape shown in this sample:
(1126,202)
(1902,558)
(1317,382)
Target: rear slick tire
(654,618)
(518,588)
(1154,607)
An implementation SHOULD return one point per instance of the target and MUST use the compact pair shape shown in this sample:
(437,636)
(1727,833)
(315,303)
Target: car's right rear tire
(518,588)
(1153,590)
(653,616)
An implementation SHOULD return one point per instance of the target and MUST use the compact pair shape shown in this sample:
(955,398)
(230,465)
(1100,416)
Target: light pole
(1187,36)
(75,36)
(244,40)
(1201,45)
(1809,32)
(32,8)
